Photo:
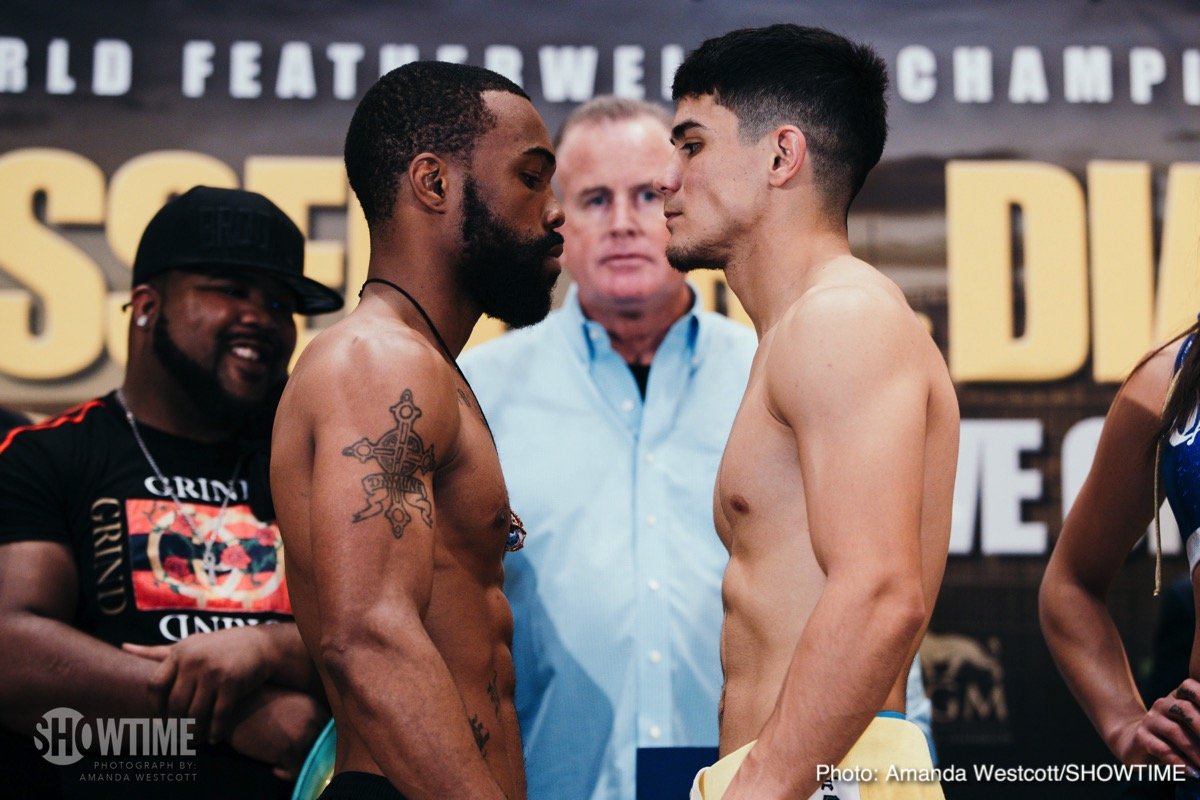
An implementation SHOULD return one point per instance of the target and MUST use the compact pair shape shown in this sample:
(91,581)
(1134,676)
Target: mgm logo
(965,681)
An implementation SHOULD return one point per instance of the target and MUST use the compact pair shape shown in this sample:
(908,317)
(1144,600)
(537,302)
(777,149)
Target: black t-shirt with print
(150,570)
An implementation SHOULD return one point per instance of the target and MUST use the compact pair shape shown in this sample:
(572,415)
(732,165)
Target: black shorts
(360,786)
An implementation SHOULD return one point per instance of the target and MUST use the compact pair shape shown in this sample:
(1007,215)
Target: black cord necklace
(516,529)
(436,335)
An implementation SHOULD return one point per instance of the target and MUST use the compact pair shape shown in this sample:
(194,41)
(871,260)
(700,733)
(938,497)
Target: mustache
(549,241)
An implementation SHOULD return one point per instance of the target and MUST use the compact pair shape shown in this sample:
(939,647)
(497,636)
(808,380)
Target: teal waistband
(891,715)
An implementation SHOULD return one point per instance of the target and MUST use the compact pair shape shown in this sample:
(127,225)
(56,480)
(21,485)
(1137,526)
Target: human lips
(553,253)
(626,260)
(252,351)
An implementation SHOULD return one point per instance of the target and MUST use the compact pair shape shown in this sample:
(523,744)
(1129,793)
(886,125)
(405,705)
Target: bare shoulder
(1146,387)
(851,329)
(358,369)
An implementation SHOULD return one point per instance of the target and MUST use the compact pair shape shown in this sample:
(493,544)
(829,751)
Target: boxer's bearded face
(507,274)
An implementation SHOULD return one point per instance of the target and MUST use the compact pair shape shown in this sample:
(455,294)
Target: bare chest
(759,498)
(474,519)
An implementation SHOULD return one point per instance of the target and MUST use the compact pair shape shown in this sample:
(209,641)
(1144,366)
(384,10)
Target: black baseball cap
(208,227)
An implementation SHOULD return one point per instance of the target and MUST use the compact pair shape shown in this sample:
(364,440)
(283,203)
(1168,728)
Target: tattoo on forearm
(481,734)
(401,454)
(494,693)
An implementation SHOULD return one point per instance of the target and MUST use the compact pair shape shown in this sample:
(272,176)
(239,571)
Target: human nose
(624,216)
(262,309)
(554,216)
(667,182)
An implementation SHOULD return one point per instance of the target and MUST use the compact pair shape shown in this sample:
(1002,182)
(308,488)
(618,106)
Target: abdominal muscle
(765,613)
(767,605)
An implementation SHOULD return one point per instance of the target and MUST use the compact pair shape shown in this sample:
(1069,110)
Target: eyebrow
(679,130)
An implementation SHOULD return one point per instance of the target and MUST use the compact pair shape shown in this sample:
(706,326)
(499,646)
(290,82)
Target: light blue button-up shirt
(616,596)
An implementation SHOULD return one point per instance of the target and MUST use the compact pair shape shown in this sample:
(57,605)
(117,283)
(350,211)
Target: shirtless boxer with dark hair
(834,492)
(388,487)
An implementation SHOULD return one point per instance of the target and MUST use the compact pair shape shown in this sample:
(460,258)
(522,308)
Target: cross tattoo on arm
(401,454)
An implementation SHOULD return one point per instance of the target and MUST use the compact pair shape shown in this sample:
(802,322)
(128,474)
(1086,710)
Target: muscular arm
(45,662)
(1113,509)
(373,566)
(843,375)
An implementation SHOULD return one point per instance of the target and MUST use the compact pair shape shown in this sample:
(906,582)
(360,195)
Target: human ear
(789,152)
(144,303)
(427,174)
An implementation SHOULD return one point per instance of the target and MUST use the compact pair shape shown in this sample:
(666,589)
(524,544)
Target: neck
(773,272)
(165,407)
(637,332)
(431,307)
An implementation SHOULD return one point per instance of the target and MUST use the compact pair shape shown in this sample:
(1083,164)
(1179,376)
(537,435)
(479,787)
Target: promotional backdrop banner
(1038,201)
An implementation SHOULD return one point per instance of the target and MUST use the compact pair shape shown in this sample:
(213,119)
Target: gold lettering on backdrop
(358,250)
(979,199)
(1122,253)
(1179,266)
(1129,311)
(299,184)
(67,284)
(53,334)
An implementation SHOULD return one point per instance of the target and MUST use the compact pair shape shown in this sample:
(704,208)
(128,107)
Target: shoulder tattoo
(401,454)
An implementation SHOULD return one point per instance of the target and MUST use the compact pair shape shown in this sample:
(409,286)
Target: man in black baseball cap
(205,227)
(139,526)
(235,263)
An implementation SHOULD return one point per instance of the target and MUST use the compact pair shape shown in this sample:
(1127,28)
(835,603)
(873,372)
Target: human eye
(649,196)
(283,305)
(690,148)
(228,288)
(597,200)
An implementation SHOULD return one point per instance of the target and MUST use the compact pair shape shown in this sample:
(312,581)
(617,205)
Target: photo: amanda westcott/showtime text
(995,773)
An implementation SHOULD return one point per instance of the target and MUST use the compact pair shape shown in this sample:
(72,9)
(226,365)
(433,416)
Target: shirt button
(655,732)
(650,459)
(627,406)
(594,334)
(653,584)
(655,657)
(651,519)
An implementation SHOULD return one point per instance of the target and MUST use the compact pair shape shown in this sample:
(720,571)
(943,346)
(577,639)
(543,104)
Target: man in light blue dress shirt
(610,418)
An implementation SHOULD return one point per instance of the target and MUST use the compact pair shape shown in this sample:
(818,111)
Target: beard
(502,272)
(698,256)
(248,418)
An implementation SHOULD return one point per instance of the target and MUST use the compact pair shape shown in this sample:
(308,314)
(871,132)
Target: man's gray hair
(608,108)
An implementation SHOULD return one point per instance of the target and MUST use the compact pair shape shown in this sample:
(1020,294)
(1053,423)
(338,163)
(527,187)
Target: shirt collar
(588,339)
